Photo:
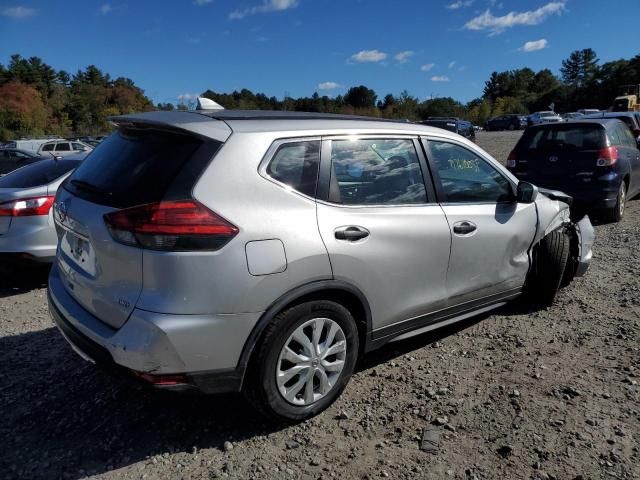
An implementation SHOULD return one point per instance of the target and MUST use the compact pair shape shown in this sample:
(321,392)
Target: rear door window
(376,172)
(626,137)
(296,164)
(39,173)
(133,167)
(48,147)
(63,147)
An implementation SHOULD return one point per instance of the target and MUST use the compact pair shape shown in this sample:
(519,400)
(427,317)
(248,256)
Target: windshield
(547,114)
(39,173)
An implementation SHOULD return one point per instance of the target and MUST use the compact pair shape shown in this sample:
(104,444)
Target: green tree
(360,97)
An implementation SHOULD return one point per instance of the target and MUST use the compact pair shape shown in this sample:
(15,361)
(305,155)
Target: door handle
(351,233)
(464,228)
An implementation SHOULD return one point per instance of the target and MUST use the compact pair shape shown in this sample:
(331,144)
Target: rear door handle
(351,233)
(464,228)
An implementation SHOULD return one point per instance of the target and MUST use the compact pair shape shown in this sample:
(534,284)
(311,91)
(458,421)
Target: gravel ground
(515,395)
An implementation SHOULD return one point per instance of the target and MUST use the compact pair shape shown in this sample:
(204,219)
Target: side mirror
(526,192)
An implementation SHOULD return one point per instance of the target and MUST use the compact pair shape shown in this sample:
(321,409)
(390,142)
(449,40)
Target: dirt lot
(515,395)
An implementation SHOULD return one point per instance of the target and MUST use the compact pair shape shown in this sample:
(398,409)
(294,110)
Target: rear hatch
(138,165)
(559,156)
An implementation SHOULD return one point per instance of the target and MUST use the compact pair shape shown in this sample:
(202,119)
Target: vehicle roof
(611,114)
(21,150)
(269,121)
(605,122)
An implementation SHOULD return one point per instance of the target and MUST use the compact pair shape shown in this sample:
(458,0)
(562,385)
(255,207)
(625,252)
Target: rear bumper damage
(174,352)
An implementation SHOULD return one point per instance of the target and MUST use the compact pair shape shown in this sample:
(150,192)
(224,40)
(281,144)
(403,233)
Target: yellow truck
(627,101)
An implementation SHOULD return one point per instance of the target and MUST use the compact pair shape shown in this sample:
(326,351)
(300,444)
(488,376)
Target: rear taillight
(181,225)
(607,156)
(26,207)
(511,161)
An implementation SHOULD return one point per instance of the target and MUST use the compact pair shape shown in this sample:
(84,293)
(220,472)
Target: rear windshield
(132,167)
(577,137)
(39,173)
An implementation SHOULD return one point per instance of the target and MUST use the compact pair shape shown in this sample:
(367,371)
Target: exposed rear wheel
(616,213)
(304,361)
(549,264)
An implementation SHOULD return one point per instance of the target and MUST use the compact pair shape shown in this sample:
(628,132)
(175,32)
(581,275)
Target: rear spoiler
(190,122)
(556,195)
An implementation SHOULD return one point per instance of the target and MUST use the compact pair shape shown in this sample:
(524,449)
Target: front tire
(549,264)
(303,362)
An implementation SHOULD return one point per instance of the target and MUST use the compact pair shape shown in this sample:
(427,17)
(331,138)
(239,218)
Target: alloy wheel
(311,361)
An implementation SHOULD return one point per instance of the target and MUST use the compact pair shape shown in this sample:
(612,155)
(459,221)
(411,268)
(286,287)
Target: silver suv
(264,252)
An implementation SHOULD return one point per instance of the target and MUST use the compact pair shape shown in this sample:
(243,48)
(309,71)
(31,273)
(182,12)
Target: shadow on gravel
(63,418)
(22,278)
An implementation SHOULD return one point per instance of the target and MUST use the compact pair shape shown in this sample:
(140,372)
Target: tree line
(35,99)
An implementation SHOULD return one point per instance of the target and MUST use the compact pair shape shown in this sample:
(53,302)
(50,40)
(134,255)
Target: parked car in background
(162,271)
(632,119)
(29,144)
(588,111)
(543,117)
(27,231)
(455,125)
(571,116)
(506,122)
(13,158)
(596,161)
(64,147)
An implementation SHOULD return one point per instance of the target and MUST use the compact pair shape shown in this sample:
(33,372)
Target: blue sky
(176,48)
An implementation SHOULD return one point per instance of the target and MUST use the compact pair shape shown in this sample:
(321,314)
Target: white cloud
(427,66)
(402,57)
(452,64)
(368,56)
(105,9)
(460,4)
(329,86)
(18,12)
(496,25)
(266,7)
(439,78)
(201,3)
(534,45)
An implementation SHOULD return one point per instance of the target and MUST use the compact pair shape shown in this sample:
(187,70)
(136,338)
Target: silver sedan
(27,231)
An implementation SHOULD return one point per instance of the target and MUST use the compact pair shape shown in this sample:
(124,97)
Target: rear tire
(264,386)
(549,263)
(511,127)
(616,213)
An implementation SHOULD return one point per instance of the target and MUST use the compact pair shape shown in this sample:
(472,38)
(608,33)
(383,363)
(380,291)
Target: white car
(543,117)
(63,147)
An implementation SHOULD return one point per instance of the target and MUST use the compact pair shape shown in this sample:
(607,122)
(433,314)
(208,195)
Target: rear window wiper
(89,187)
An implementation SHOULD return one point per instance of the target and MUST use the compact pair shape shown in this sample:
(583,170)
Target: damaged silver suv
(264,252)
